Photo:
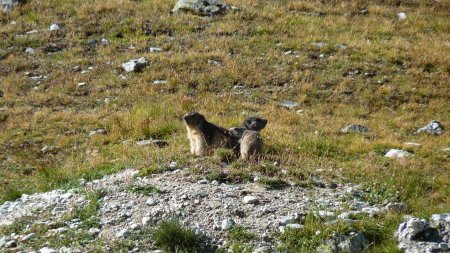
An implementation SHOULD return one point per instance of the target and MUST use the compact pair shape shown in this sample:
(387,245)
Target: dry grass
(406,88)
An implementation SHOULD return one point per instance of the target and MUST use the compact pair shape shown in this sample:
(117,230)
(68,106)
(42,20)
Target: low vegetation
(171,236)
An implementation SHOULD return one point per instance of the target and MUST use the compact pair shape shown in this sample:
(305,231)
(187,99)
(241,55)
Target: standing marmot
(204,136)
(254,124)
(251,145)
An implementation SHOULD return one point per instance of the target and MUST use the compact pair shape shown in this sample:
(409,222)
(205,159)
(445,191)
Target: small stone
(160,82)
(354,128)
(154,49)
(227,224)
(159,143)
(146,221)
(81,84)
(412,144)
(433,128)
(203,181)
(287,220)
(294,226)
(440,217)
(395,207)
(135,65)
(10,244)
(401,16)
(32,31)
(397,153)
(98,131)
(341,46)
(28,237)
(372,211)
(151,201)
(250,200)
(93,231)
(134,226)
(355,243)
(288,104)
(47,250)
(54,27)
(30,50)
(319,44)
(122,233)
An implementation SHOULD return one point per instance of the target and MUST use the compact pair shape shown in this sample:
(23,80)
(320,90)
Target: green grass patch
(171,236)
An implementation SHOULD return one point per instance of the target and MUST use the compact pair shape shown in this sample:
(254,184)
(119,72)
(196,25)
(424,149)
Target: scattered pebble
(401,16)
(135,65)
(54,27)
(288,104)
(250,200)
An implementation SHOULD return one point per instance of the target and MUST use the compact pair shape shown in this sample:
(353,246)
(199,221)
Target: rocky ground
(130,203)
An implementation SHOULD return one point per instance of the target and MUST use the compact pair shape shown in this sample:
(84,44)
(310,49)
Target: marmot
(254,123)
(250,123)
(204,136)
(251,145)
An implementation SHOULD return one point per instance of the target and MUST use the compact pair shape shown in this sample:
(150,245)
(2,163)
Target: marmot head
(254,123)
(194,119)
(237,132)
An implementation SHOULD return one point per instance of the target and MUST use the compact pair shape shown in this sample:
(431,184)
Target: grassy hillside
(372,69)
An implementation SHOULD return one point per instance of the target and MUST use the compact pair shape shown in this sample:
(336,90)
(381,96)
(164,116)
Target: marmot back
(251,145)
(204,136)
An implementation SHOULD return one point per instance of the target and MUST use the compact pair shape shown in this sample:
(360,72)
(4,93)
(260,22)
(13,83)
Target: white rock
(433,128)
(408,230)
(401,16)
(30,50)
(287,220)
(397,153)
(160,81)
(54,27)
(28,237)
(146,221)
(412,144)
(203,181)
(154,49)
(97,132)
(81,84)
(134,226)
(151,201)
(250,200)
(372,211)
(122,233)
(135,64)
(288,104)
(93,231)
(47,250)
(294,226)
(440,217)
(227,224)
(10,244)
(32,31)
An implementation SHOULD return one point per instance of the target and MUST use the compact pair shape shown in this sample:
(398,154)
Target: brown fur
(251,145)
(204,136)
